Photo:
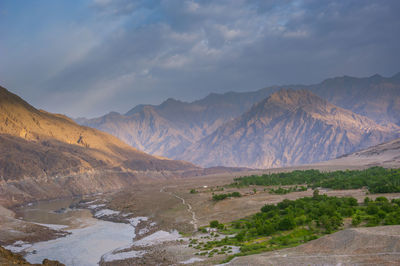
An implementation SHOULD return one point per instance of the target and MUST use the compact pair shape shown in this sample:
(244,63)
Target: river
(89,240)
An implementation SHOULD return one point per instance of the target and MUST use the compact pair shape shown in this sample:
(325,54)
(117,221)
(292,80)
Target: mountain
(290,127)
(170,128)
(44,155)
(376,97)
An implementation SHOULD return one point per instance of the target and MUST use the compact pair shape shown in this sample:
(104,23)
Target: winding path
(189,207)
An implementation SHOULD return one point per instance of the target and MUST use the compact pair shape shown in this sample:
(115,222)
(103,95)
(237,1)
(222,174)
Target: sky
(88,57)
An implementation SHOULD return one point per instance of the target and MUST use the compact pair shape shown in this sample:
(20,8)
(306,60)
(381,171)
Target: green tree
(315,193)
(214,224)
(286,223)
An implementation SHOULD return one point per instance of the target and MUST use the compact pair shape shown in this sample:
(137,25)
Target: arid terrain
(170,206)
(163,203)
(47,156)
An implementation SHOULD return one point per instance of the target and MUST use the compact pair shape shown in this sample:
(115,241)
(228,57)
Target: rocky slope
(290,127)
(170,128)
(46,155)
(356,246)
(386,155)
(9,258)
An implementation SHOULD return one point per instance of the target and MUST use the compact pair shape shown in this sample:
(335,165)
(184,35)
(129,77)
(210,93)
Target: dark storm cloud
(133,52)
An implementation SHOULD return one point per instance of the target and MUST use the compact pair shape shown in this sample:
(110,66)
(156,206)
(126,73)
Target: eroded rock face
(288,128)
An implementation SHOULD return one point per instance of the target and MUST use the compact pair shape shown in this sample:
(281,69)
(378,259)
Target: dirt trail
(194,220)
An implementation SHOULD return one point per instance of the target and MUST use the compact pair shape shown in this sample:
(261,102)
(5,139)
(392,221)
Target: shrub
(268,207)
(214,224)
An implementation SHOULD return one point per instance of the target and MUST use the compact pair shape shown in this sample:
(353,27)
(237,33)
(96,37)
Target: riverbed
(89,238)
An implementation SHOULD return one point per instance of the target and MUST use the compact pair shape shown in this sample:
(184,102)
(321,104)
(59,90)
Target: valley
(196,132)
(63,183)
(165,208)
(160,204)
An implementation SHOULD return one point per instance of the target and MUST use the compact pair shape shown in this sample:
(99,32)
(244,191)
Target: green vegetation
(193,191)
(376,179)
(293,222)
(282,191)
(218,197)
(216,224)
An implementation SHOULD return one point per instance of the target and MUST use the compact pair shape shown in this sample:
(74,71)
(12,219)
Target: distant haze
(85,58)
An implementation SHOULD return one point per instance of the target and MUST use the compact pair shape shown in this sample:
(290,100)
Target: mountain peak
(10,98)
(171,101)
(376,78)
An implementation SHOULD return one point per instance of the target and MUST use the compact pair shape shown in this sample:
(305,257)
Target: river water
(89,240)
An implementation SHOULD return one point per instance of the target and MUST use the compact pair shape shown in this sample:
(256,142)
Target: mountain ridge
(290,127)
(177,125)
(44,155)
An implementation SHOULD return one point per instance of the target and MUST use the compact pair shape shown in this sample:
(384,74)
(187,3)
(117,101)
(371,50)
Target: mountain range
(248,129)
(171,127)
(44,155)
(290,127)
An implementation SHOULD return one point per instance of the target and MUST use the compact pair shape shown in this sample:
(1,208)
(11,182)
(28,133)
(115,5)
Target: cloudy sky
(88,57)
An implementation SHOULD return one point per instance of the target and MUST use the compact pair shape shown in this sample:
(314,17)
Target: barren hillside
(47,155)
